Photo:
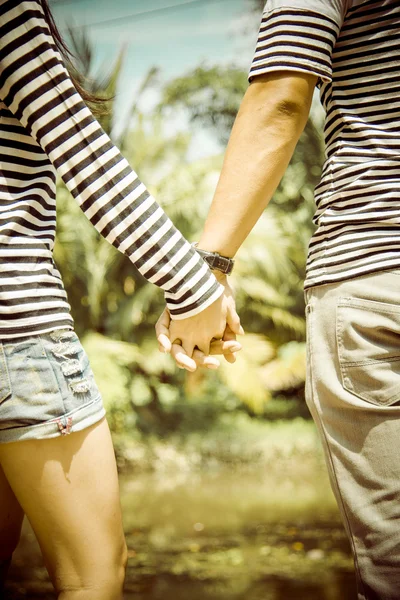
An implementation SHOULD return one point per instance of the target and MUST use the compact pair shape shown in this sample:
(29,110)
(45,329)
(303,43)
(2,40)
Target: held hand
(227,346)
(194,334)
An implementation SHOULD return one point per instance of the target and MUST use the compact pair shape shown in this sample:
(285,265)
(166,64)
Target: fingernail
(241,330)
(235,347)
(212,366)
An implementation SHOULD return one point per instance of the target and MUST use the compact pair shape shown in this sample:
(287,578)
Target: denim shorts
(47,388)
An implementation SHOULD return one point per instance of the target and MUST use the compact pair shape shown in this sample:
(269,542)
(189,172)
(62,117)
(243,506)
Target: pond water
(221,534)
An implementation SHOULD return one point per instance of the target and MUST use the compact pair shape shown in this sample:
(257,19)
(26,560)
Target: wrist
(219,276)
(215,261)
(212,242)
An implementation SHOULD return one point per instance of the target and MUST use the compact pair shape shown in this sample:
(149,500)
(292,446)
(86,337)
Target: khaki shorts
(353,392)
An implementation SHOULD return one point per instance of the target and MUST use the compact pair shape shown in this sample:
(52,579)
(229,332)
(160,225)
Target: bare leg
(11,517)
(68,488)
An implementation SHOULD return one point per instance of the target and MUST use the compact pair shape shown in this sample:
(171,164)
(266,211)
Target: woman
(67,484)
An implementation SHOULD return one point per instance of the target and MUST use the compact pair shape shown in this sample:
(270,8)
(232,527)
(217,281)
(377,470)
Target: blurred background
(223,485)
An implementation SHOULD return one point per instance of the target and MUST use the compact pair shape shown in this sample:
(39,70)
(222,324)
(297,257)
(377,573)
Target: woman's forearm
(269,123)
(36,88)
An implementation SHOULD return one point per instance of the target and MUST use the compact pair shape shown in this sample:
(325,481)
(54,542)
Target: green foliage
(144,393)
(212,96)
(118,308)
(257,6)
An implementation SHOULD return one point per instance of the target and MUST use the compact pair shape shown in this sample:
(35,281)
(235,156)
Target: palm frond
(287,370)
(243,379)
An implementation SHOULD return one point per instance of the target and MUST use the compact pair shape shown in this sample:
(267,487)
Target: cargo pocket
(368,338)
(5,385)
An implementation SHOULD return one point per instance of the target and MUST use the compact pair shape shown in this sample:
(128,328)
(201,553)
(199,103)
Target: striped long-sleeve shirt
(45,128)
(353,46)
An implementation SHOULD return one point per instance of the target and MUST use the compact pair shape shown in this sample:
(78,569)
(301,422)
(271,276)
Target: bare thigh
(68,488)
(11,517)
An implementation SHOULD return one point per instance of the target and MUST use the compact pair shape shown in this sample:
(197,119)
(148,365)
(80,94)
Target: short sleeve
(298,35)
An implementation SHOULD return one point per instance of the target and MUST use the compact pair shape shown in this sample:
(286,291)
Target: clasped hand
(195,341)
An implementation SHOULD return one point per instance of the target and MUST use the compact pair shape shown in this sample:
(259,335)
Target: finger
(188,347)
(182,359)
(208,362)
(204,347)
(162,331)
(163,323)
(228,334)
(164,344)
(225,347)
(230,358)
(233,320)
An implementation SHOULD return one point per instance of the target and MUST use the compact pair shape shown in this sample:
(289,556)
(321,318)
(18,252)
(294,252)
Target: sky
(173,35)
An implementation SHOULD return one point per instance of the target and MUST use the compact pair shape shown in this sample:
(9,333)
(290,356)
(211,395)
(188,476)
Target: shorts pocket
(368,339)
(5,385)
(71,369)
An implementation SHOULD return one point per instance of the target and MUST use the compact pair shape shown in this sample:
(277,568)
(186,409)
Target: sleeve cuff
(294,39)
(178,312)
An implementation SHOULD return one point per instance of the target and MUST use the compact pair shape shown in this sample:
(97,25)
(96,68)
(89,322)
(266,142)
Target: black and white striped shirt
(46,127)
(353,46)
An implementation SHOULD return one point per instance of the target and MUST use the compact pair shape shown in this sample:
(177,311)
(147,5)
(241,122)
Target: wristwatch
(215,260)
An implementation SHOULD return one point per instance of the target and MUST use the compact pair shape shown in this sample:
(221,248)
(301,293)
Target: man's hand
(227,346)
(213,331)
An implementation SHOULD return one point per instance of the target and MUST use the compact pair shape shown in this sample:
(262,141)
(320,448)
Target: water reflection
(341,587)
(237,535)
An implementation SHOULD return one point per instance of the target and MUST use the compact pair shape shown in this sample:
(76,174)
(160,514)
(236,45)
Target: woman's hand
(213,331)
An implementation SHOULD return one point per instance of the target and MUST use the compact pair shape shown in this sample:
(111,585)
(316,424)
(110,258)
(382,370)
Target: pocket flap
(368,337)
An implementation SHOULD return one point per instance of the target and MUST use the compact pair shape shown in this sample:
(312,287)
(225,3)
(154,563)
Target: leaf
(243,378)
(288,369)
(110,361)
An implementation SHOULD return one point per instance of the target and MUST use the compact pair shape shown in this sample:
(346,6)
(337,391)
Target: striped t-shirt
(353,46)
(45,128)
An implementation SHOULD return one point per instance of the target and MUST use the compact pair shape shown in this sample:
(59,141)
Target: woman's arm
(37,89)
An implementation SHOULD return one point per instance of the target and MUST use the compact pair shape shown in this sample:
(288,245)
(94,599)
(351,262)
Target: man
(351,50)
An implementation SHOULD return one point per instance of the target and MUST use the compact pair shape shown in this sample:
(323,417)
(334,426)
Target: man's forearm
(269,123)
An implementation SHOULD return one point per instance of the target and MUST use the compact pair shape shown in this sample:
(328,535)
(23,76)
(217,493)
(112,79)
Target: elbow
(290,113)
(285,96)
(290,108)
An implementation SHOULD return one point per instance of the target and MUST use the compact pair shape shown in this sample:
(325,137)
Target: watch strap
(216,261)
